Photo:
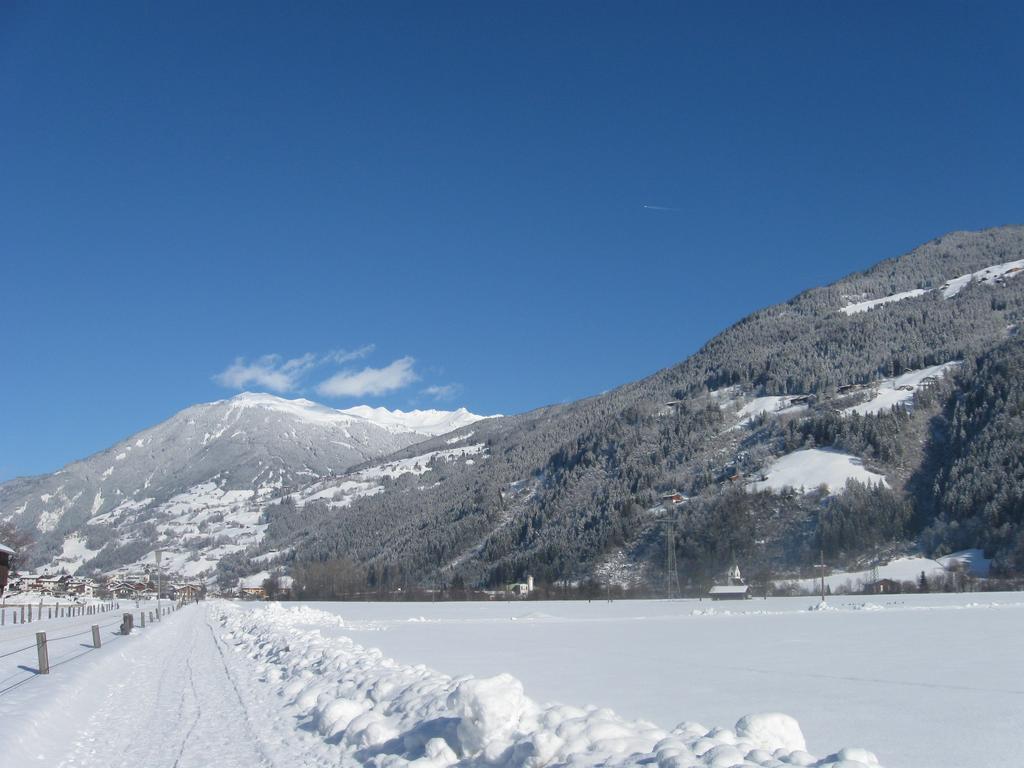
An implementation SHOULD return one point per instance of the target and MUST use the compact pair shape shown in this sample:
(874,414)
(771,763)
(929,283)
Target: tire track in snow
(199,712)
(253,738)
(165,704)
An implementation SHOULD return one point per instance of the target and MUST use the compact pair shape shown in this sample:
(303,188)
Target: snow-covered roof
(5,548)
(729,589)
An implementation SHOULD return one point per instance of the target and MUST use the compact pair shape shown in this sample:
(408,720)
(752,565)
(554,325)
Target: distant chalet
(734,589)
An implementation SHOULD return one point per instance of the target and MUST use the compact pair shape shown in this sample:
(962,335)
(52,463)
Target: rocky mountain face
(221,458)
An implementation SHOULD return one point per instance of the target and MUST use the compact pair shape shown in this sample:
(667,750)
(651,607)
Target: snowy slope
(899,390)
(992,275)
(775,405)
(196,483)
(341,491)
(864,306)
(813,467)
(901,569)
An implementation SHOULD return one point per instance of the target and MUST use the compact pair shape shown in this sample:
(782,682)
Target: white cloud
(442,391)
(340,356)
(268,372)
(370,381)
(275,373)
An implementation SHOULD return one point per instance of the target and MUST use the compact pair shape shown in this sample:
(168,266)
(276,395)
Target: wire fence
(26,613)
(126,624)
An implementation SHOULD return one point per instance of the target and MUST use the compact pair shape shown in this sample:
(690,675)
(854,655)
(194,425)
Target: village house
(53,585)
(251,587)
(27,582)
(185,592)
(883,587)
(80,587)
(130,590)
(671,498)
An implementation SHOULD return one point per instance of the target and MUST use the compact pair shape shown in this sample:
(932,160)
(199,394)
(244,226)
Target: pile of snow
(373,709)
(813,467)
(900,390)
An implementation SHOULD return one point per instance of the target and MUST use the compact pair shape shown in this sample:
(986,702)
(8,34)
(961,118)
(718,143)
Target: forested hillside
(897,388)
(971,488)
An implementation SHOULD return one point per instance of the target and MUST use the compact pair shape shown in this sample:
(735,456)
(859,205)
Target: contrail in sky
(661,208)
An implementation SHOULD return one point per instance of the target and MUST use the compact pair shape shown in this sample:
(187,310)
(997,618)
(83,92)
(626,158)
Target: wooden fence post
(44,656)
(95,635)
(142,619)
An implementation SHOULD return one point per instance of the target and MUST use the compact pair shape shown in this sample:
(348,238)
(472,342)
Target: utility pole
(822,566)
(671,568)
(159,554)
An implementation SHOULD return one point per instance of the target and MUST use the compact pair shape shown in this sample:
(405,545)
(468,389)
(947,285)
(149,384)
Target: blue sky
(443,204)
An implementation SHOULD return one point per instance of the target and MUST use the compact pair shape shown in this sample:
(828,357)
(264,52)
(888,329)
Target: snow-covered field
(922,680)
(899,390)
(812,468)
(901,569)
(864,306)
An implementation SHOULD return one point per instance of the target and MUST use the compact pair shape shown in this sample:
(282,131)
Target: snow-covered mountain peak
(300,408)
(425,422)
(428,422)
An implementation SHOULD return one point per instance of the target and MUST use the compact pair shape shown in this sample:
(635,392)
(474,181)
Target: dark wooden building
(5,565)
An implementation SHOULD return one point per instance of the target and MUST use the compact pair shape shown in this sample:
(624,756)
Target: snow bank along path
(226,685)
(367,709)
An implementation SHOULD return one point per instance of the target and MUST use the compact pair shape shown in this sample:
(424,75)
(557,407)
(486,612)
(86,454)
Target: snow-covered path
(174,704)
